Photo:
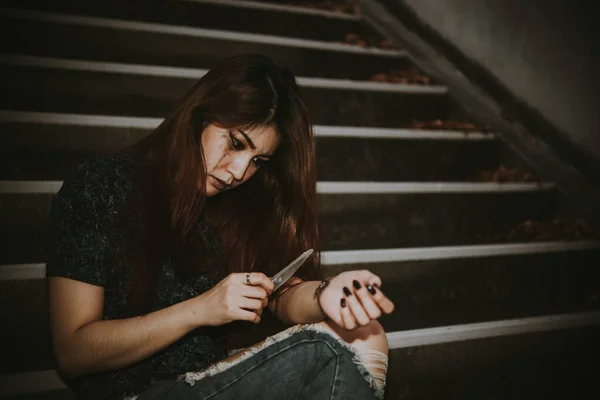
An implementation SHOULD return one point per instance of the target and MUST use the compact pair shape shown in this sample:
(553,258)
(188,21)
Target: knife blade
(286,273)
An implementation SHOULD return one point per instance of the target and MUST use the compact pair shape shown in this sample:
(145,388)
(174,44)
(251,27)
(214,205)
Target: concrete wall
(541,50)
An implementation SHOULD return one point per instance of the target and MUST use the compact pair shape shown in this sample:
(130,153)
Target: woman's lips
(217,183)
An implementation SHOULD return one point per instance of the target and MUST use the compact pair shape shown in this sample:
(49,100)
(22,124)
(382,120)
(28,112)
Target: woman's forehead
(257,131)
(265,138)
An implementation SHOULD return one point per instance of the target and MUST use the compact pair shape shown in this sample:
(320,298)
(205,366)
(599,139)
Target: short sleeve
(83,216)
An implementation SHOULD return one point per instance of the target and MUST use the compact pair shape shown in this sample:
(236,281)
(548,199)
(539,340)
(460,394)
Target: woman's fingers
(364,294)
(251,304)
(382,301)
(348,320)
(254,306)
(365,302)
(372,284)
(370,278)
(255,292)
(251,316)
(257,279)
(356,308)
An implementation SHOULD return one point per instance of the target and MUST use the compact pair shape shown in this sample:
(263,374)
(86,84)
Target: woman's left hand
(354,299)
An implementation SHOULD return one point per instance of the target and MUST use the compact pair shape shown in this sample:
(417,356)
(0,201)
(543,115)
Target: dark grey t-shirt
(87,246)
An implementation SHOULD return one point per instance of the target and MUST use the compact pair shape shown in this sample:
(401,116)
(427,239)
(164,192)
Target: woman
(157,250)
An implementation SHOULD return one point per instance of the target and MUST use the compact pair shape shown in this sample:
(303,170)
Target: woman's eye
(259,162)
(236,144)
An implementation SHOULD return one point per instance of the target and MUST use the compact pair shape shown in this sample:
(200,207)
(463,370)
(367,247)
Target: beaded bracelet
(319,290)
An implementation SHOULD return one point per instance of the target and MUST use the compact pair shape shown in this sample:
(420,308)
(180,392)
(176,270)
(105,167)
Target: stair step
(434,292)
(231,15)
(87,87)
(353,215)
(47,146)
(424,216)
(102,39)
(379,257)
(551,278)
(90,121)
(58,394)
(34,385)
(543,365)
(128,65)
(380,160)
(431,361)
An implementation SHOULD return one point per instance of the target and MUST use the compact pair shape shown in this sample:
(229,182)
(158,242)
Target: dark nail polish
(371,289)
(347,291)
(356,284)
(343,303)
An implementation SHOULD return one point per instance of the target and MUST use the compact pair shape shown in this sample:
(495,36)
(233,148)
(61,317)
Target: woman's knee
(369,337)
(370,343)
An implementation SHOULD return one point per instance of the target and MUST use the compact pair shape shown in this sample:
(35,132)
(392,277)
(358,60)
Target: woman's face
(233,156)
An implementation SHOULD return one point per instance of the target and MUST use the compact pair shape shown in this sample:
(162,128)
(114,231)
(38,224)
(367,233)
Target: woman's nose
(237,168)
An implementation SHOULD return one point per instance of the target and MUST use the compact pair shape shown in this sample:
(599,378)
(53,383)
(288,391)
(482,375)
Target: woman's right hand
(233,299)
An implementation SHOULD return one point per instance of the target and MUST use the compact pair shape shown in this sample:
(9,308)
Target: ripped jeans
(302,362)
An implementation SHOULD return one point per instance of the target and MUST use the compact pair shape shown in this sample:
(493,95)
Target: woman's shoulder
(104,170)
(84,219)
(104,182)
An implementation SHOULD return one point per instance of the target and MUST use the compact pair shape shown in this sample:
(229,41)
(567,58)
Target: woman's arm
(351,299)
(84,343)
(297,304)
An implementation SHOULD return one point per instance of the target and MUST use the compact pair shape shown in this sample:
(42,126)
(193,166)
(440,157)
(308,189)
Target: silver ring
(248,279)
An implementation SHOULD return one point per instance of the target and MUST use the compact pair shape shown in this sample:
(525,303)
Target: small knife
(288,271)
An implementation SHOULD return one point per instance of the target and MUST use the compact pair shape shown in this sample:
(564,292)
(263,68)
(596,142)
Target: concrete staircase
(488,305)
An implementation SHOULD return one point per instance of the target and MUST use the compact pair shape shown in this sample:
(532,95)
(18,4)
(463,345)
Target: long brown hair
(261,225)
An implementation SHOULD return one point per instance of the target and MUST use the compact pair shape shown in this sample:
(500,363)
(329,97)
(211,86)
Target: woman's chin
(210,191)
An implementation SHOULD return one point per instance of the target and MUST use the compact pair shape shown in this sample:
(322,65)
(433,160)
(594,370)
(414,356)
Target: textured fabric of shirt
(87,246)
